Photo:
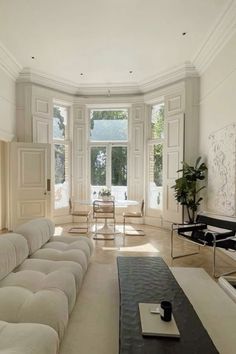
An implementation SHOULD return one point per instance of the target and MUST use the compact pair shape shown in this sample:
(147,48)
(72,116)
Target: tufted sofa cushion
(47,266)
(77,256)
(36,281)
(37,232)
(74,239)
(47,307)
(13,251)
(27,338)
(62,246)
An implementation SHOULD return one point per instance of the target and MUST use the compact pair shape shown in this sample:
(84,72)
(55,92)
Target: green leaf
(197,162)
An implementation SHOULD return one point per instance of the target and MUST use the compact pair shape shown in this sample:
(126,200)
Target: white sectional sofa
(40,277)
(26,338)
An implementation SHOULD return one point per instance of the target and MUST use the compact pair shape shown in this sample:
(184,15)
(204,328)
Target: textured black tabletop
(148,279)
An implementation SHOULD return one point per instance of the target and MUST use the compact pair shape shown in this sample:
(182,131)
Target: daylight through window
(108,151)
(61,156)
(155,158)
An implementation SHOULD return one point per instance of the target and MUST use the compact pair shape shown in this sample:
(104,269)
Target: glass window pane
(155,189)
(109,125)
(61,175)
(98,166)
(119,166)
(60,122)
(158,121)
(119,172)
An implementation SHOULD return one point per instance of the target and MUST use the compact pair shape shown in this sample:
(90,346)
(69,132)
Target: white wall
(218,94)
(217,105)
(7,106)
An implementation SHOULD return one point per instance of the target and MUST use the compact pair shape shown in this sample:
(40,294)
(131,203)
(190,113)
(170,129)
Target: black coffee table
(148,279)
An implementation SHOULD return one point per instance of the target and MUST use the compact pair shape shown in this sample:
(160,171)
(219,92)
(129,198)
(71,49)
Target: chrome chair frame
(80,213)
(134,215)
(204,236)
(104,209)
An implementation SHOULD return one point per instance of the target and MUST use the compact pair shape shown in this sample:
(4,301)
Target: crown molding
(60,84)
(35,77)
(220,34)
(109,89)
(56,83)
(8,63)
(168,77)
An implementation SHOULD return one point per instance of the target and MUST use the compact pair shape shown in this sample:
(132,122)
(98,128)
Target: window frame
(153,212)
(67,142)
(108,144)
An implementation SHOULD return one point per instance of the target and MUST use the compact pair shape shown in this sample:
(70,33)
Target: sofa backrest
(37,232)
(13,251)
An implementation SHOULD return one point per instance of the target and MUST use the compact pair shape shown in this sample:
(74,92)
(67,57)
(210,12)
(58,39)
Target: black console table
(148,279)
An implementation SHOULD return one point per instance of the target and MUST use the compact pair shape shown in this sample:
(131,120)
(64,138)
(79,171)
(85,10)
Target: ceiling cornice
(164,78)
(60,84)
(170,76)
(8,63)
(220,34)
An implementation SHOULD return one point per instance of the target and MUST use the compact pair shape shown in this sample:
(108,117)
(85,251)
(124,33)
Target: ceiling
(96,42)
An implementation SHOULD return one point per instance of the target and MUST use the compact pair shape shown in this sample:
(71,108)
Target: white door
(30,182)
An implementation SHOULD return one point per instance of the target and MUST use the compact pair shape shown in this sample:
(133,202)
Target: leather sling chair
(216,232)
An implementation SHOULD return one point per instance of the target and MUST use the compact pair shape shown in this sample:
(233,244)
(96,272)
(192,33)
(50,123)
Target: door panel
(30,195)
(174,155)
(41,130)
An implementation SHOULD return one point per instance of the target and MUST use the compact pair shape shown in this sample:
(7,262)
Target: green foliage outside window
(59,133)
(98,166)
(107,115)
(158,164)
(60,173)
(158,122)
(157,128)
(119,166)
(109,125)
(59,122)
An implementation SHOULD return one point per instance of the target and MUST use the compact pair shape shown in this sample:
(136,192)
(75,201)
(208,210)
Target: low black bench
(149,280)
(217,231)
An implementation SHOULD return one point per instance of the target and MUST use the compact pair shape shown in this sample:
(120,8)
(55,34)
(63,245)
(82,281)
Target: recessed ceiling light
(184,33)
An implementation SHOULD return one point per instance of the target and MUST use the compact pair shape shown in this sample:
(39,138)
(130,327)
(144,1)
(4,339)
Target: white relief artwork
(222,171)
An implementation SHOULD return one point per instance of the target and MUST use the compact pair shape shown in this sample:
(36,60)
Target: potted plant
(187,187)
(105,193)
